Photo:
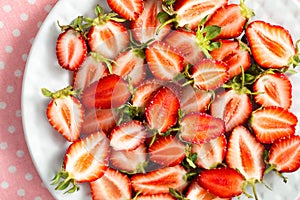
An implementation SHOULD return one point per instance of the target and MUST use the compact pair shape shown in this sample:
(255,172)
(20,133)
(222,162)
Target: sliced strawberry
(233,54)
(162,111)
(196,192)
(194,100)
(156,197)
(272,123)
(128,136)
(273,90)
(209,74)
(234,108)
(71,49)
(210,154)
(271,45)
(85,160)
(89,72)
(167,151)
(185,43)
(245,153)
(222,182)
(198,128)
(192,12)
(130,10)
(65,113)
(164,61)
(133,161)
(127,63)
(110,91)
(285,154)
(145,26)
(112,185)
(160,180)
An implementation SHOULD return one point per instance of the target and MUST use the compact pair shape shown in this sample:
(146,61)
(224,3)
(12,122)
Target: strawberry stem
(99,58)
(65,92)
(246,12)
(67,179)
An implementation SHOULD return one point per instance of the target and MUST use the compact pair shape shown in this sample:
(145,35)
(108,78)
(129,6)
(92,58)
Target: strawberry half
(85,160)
(211,153)
(65,113)
(209,74)
(284,155)
(162,111)
(110,91)
(164,62)
(198,128)
(130,10)
(271,45)
(273,90)
(222,182)
(71,49)
(155,197)
(167,151)
(128,136)
(272,123)
(113,185)
(159,181)
(245,153)
(234,55)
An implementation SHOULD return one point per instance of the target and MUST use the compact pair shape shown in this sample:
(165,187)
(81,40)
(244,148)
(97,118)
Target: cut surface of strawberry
(130,10)
(272,123)
(271,45)
(198,128)
(113,185)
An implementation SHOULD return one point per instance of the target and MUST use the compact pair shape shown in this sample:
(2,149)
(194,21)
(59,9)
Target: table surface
(19,23)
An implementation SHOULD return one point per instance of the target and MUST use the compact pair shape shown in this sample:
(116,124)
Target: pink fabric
(19,23)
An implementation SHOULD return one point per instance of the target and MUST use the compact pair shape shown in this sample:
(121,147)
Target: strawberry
(233,107)
(85,160)
(89,72)
(145,26)
(272,123)
(110,91)
(211,153)
(113,185)
(223,16)
(129,10)
(234,54)
(155,197)
(167,151)
(65,112)
(273,89)
(198,128)
(222,182)
(245,153)
(164,62)
(128,136)
(107,36)
(194,100)
(271,45)
(159,181)
(209,74)
(284,155)
(133,161)
(162,111)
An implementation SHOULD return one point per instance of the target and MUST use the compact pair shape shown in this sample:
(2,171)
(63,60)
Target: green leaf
(212,32)
(163,17)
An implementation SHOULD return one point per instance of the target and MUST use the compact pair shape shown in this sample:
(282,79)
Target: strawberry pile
(174,100)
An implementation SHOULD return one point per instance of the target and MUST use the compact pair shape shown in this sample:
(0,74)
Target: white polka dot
(2,105)
(3,145)
(4,185)
(21,192)
(18,113)
(20,153)
(37,198)
(48,8)
(24,57)
(31,1)
(11,129)
(2,65)
(28,177)
(10,89)
(16,33)
(12,169)
(7,8)
(24,17)
(18,73)
(9,49)
(1,24)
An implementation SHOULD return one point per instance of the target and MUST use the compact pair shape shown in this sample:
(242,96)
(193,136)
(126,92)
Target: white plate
(47,147)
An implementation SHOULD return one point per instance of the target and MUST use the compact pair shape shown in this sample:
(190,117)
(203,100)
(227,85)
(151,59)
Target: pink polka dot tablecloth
(19,23)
